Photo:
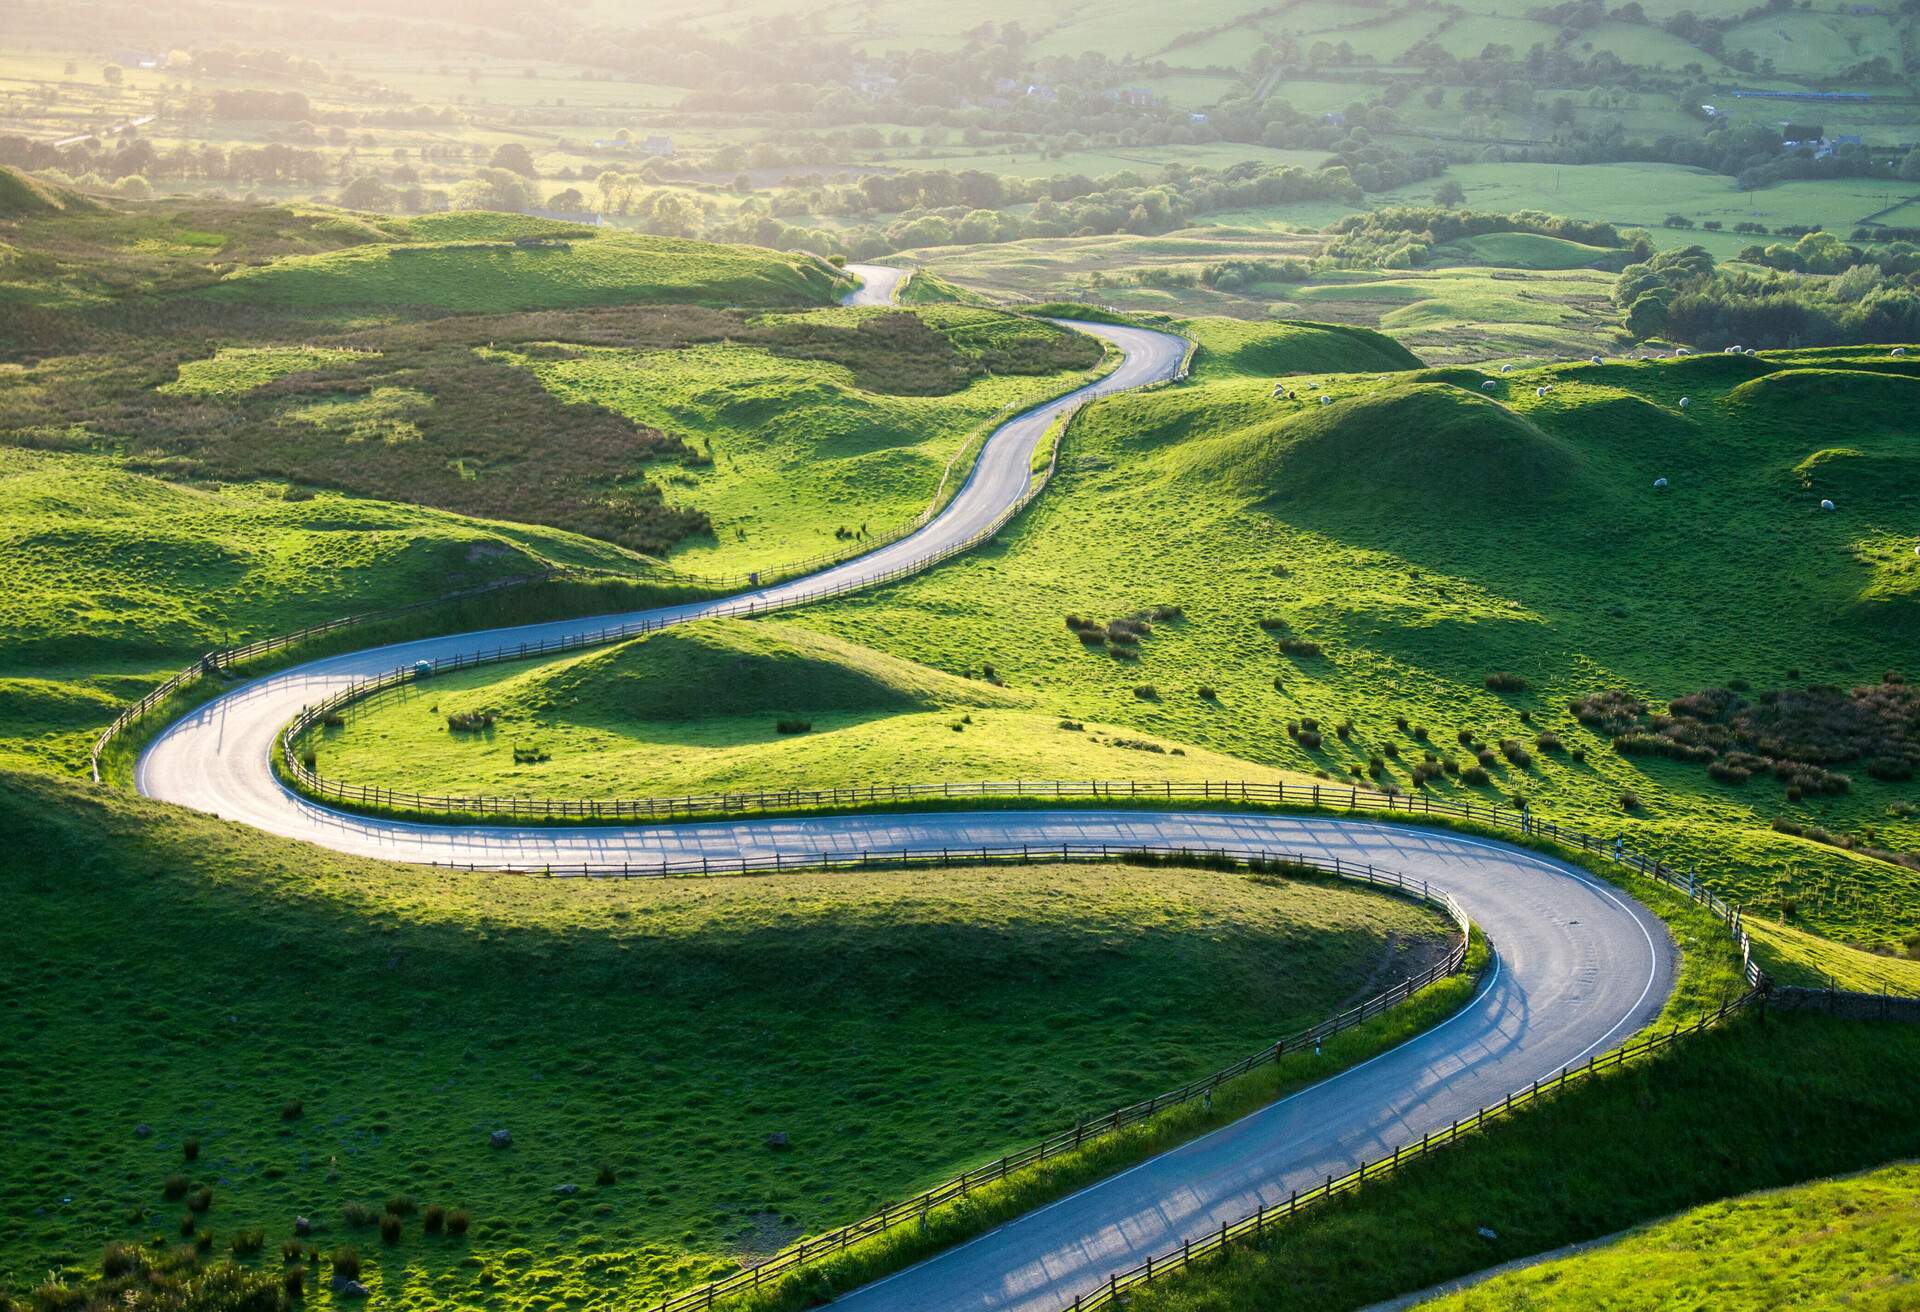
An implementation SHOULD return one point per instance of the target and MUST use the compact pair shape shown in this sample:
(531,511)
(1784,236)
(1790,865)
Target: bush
(292,1110)
(200,1200)
(793,726)
(458,1221)
(175,1188)
(1547,742)
(434,1219)
(1310,740)
(1517,756)
(1486,758)
(248,1242)
(1298,647)
(1629,801)
(389,1229)
(1476,776)
(1727,773)
(1207,694)
(1465,737)
(188,1224)
(469,721)
(402,1205)
(606,1175)
(1890,771)
(358,1215)
(190,1149)
(346,1263)
(1506,681)
(293,1283)
(291,1251)
(1146,692)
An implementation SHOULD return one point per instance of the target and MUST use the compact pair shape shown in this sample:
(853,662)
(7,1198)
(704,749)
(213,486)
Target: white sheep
(1506,368)
(1659,485)
(1326,400)
(1594,359)
(1733,350)
(1899,350)
(1679,351)
(1750,351)
(1539,391)
(1826,505)
(1684,400)
(1487,386)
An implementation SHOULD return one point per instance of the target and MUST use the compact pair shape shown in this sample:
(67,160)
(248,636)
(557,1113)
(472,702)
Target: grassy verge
(380,1022)
(1852,1242)
(1759,1104)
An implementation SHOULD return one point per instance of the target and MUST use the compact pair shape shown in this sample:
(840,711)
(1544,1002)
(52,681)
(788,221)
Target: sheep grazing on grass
(1733,350)
(1826,505)
(1679,351)
(1594,359)
(1750,351)
(1659,485)
(1325,399)
(1684,400)
(1487,386)
(1899,350)
(1506,368)
(1539,391)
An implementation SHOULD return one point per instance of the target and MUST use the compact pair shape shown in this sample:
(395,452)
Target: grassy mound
(495,275)
(728,667)
(1868,396)
(22,195)
(1419,445)
(925,288)
(728,705)
(640,1040)
(1524,250)
(1281,347)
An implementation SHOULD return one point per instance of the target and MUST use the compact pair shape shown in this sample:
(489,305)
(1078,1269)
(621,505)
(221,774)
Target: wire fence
(915,1210)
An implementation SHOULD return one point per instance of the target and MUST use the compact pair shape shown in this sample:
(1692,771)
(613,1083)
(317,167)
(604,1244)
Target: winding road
(1579,966)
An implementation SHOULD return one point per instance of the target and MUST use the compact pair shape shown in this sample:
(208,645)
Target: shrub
(389,1229)
(1310,740)
(358,1215)
(1400,723)
(190,1149)
(290,1251)
(606,1175)
(1579,754)
(292,1110)
(1391,749)
(248,1242)
(1207,694)
(175,1188)
(1273,624)
(1889,770)
(1298,647)
(793,726)
(1728,774)
(1073,726)
(309,760)
(200,1200)
(1547,742)
(1612,712)
(1507,681)
(469,721)
(1465,737)
(1343,730)
(1486,758)
(1450,765)
(434,1219)
(1629,801)
(346,1263)
(188,1224)
(204,1241)
(294,1283)
(402,1205)
(1476,776)
(1146,692)
(1517,756)
(458,1221)
(530,755)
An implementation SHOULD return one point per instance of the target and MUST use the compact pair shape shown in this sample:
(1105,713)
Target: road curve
(1579,965)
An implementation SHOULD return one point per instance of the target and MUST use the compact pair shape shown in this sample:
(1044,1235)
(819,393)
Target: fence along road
(1579,965)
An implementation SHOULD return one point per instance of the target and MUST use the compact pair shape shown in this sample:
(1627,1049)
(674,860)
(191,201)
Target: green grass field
(699,710)
(1425,536)
(330,1031)
(119,579)
(1853,1242)
(1719,1116)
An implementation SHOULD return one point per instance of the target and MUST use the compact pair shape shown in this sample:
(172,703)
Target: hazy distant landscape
(1197,455)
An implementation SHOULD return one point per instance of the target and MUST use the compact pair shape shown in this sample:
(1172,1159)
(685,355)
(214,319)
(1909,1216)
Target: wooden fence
(229,656)
(1253,1224)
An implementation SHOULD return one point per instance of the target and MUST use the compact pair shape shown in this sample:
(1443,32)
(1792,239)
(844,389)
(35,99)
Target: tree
(516,157)
(1910,166)
(496,189)
(1450,195)
(366,192)
(112,75)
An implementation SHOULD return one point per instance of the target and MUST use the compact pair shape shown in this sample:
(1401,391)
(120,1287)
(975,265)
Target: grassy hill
(1376,559)
(607,267)
(22,194)
(315,1036)
(700,709)
(1840,1243)
(118,579)
(1525,250)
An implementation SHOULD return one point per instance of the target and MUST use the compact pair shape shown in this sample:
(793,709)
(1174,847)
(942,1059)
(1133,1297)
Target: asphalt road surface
(1579,965)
